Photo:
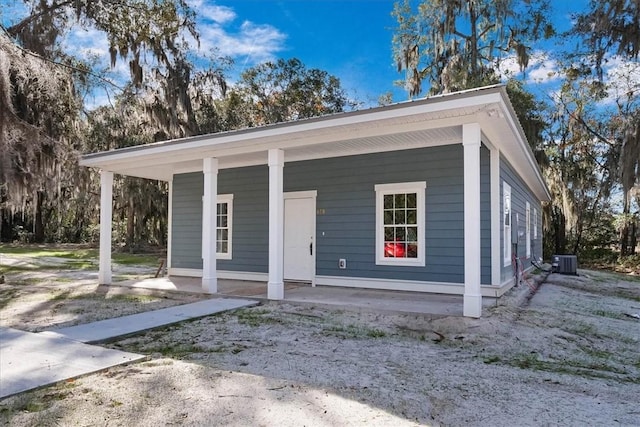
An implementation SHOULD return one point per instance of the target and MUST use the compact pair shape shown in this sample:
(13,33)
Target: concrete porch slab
(330,296)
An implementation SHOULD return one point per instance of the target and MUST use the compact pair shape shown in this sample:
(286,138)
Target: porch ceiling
(164,168)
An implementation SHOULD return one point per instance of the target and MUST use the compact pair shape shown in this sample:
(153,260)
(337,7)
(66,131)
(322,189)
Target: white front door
(299,236)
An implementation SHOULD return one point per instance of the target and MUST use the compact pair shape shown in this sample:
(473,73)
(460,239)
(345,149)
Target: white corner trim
(496,214)
(170,224)
(106,231)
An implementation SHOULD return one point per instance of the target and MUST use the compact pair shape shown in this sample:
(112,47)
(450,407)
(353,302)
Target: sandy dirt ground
(570,356)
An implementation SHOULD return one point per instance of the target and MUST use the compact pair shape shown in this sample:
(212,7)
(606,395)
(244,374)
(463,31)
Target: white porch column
(275,287)
(471,138)
(209,216)
(496,215)
(106,209)
(170,226)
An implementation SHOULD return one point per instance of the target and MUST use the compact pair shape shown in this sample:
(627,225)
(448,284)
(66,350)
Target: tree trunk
(624,230)
(559,228)
(131,226)
(38,222)
(633,238)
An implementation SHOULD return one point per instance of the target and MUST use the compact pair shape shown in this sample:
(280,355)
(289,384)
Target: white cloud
(87,42)
(541,69)
(213,12)
(622,77)
(253,42)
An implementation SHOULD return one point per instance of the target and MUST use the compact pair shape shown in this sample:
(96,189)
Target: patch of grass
(376,333)
(63,296)
(609,314)
(84,258)
(6,296)
(136,259)
(176,350)
(255,317)
(491,359)
(35,407)
(594,352)
(581,368)
(14,269)
(80,265)
(121,298)
(353,332)
(580,328)
(38,252)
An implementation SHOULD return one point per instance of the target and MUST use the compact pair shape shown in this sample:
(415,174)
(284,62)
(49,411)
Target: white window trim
(528,229)
(419,188)
(228,199)
(535,224)
(506,229)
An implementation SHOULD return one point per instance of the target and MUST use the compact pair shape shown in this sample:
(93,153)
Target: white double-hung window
(400,223)
(224,226)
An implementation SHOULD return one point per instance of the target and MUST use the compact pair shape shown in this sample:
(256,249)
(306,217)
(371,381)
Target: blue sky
(349,39)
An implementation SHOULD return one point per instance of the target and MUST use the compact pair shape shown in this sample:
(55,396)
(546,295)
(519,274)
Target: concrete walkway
(32,360)
(109,329)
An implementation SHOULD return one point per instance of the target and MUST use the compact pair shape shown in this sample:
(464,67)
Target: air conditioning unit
(565,264)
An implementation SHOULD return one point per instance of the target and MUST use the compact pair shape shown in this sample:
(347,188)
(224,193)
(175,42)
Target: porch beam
(209,216)
(275,286)
(106,214)
(472,300)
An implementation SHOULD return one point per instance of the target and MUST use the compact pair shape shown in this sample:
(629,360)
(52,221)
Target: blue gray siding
(485,215)
(250,233)
(186,227)
(520,194)
(345,225)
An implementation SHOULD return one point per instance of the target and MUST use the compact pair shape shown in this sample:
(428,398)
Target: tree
(41,108)
(286,90)
(609,32)
(609,27)
(457,44)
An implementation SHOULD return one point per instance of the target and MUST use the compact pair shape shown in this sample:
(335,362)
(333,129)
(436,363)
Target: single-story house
(432,195)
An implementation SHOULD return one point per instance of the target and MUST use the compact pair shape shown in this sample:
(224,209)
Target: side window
(400,224)
(224,226)
(506,224)
(535,223)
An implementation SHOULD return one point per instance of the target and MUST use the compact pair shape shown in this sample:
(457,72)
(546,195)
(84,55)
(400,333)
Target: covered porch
(472,120)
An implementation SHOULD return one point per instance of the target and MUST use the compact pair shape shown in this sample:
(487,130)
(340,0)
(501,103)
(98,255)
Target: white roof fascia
(531,163)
